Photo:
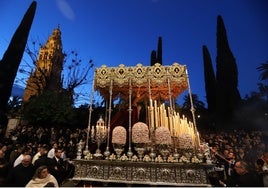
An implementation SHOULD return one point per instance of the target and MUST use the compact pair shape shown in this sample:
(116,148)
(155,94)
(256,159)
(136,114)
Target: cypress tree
(153,57)
(226,75)
(156,56)
(159,51)
(210,81)
(13,55)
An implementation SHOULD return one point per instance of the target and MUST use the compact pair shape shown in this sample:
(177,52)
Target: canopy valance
(139,78)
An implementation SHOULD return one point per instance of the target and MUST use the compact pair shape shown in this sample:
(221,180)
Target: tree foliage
(50,107)
(263,68)
(14,106)
(185,109)
(210,81)
(12,57)
(222,92)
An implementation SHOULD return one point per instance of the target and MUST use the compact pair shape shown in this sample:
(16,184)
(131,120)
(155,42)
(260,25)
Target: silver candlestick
(98,136)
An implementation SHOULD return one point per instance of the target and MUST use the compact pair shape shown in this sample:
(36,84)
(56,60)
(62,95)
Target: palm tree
(263,68)
(14,106)
(197,104)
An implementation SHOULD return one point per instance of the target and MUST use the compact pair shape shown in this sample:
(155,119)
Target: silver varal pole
(89,116)
(107,152)
(192,108)
(129,153)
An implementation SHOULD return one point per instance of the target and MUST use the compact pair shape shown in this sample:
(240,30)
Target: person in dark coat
(20,175)
(4,169)
(44,160)
(59,170)
(244,177)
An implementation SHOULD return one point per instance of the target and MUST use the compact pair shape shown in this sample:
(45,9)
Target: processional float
(166,137)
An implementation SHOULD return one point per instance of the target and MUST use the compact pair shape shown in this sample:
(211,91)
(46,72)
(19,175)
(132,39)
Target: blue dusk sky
(114,32)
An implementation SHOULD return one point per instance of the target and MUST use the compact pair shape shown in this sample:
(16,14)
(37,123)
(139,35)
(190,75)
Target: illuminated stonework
(48,68)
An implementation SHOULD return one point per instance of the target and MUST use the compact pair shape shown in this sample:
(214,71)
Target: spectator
(42,178)
(15,153)
(20,175)
(26,151)
(59,171)
(240,154)
(244,177)
(4,168)
(230,166)
(44,160)
(265,169)
(51,152)
(38,154)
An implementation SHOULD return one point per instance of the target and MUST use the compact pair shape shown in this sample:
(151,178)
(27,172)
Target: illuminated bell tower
(49,65)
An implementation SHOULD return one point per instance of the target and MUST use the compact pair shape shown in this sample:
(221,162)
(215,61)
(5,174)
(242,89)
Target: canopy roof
(139,78)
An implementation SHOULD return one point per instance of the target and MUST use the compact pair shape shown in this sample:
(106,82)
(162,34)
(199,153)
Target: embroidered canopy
(161,81)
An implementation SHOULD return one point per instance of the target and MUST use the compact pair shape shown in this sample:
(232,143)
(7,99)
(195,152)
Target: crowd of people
(33,157)
(241,157)
(36,156)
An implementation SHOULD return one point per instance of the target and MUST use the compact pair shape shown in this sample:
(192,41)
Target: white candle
(155,114)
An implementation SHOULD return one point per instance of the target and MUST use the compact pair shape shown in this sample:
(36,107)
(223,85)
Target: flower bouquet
(140,137)
(163,141)
(119,138)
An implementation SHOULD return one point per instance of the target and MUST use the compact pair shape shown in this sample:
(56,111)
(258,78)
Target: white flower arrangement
(89,156)
(134,158)
(119,135)
(146,158)
(162,136)
(195,160)
(170,159)
(124,157)
(159,159)
(140,133)
(112,157)
(184,159)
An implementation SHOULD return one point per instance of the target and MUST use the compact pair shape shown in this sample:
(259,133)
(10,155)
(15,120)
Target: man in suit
(59,170)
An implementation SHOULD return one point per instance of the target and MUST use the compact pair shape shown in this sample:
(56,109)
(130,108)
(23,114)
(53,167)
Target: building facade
(49,65)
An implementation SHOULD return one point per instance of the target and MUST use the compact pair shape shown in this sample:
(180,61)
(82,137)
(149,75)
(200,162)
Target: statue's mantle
(151,173)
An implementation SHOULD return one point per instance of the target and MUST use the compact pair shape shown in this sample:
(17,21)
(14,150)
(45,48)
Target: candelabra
(98,136)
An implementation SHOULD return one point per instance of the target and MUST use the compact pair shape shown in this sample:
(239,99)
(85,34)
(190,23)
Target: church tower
(49,65)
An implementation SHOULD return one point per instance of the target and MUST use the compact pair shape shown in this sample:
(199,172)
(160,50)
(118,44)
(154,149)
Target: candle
(92,132)
(155,114)
(198,139)
(169,122)
(151,103)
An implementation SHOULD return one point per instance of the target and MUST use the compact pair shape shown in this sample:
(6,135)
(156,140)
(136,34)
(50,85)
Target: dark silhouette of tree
(185,109)
(153,57)
(74,74)
(228,96)
(156,56)
(159,51)
(14,106)
(222,93)
(263,87)
(197,104)
(51,108)
(13,55)
(210,81)
(263,68)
